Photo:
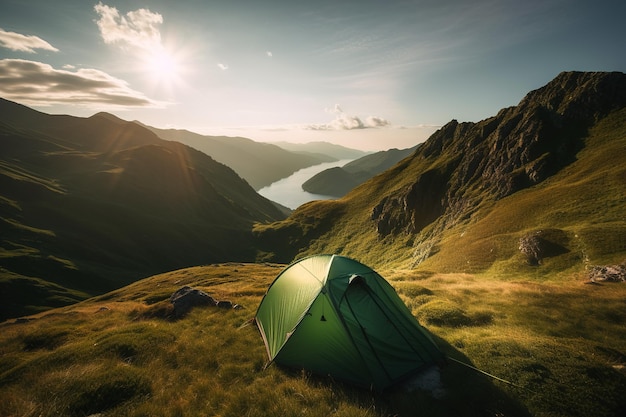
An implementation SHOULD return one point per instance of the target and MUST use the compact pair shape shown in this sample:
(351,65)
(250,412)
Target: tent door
(371,325)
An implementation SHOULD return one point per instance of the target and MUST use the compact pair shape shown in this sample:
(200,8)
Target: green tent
(334,316)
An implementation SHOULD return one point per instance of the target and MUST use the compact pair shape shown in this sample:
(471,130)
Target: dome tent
(334,316)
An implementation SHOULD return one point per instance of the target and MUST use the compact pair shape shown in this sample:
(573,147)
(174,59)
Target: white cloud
(223,67)
(344,121)
(23,43)
(374,121)
(36,83)
(269,54)
(138,28)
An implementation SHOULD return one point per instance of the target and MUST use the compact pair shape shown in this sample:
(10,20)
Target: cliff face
(545,177)
(520,147)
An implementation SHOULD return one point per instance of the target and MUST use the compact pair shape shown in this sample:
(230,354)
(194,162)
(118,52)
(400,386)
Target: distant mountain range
(259,163)
(90,204)
(323,148)
(540,185)
(339,181)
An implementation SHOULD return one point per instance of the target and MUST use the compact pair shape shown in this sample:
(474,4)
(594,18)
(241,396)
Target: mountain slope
(258,163)
(323,148)
(467,197)
(88,204)
(340,180)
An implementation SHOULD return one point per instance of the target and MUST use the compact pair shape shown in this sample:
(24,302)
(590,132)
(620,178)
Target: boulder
(540,244)
(607,273)
(186,298)
(225,304)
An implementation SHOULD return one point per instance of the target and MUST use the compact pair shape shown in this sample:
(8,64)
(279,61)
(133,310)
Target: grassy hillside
(91,204)
(339,181)
(586,201)
(450,208)
(560,346)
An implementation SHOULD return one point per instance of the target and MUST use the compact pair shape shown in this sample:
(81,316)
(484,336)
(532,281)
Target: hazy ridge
(260,164)
(90,204)
(339,181)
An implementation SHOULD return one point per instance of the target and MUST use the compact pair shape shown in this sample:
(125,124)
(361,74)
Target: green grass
(583,202)
(561,345)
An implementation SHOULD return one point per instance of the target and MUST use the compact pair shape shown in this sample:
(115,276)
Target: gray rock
(186,298)
(607,273)
(225,304)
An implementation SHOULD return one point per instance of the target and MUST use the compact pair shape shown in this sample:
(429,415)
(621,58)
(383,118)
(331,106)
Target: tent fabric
(334,316)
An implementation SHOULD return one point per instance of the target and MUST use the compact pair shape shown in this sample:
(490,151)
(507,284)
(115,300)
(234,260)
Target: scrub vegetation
(559,344)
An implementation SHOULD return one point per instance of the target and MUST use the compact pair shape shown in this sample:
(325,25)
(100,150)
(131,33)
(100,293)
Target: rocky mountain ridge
(518,148)
(465,172)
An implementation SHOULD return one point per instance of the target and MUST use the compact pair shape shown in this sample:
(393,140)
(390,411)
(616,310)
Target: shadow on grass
(466,392)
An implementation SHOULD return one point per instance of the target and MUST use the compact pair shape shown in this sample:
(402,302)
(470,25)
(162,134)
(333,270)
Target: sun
(162,65)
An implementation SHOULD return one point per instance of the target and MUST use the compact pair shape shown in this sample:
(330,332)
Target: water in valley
(289,192)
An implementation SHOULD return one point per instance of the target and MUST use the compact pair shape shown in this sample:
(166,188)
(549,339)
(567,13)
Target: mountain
(323,148)
(339,181)
(539,187)
(90,204)
(258,163)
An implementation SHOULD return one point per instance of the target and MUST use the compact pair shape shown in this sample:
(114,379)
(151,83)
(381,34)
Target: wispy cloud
(23,43)
(138,28)
(269,54)
(223,67)
(344,121)
(36,83)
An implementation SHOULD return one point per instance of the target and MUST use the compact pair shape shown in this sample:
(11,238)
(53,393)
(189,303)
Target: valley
(490,232)
(288,191)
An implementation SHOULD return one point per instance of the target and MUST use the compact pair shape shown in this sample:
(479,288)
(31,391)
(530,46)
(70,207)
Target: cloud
(23,43)
(344,121)
(138,28)
(269,54)
(36,83)
(223,67)
(374,121)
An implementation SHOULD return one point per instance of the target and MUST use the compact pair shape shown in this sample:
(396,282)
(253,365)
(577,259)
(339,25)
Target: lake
(289,192)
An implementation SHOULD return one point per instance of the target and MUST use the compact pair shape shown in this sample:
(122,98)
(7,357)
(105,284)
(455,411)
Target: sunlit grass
(560,345)
(584,202)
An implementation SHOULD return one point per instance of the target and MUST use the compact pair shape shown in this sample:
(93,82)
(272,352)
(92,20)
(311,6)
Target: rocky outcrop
(185,298)
(413,207)
(541,244)
(520,147)
(607,273)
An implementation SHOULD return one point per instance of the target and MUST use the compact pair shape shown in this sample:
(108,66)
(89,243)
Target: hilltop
(561,347)
(548,170)
(90,204)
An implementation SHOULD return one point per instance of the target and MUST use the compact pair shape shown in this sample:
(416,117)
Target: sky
(368,74)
